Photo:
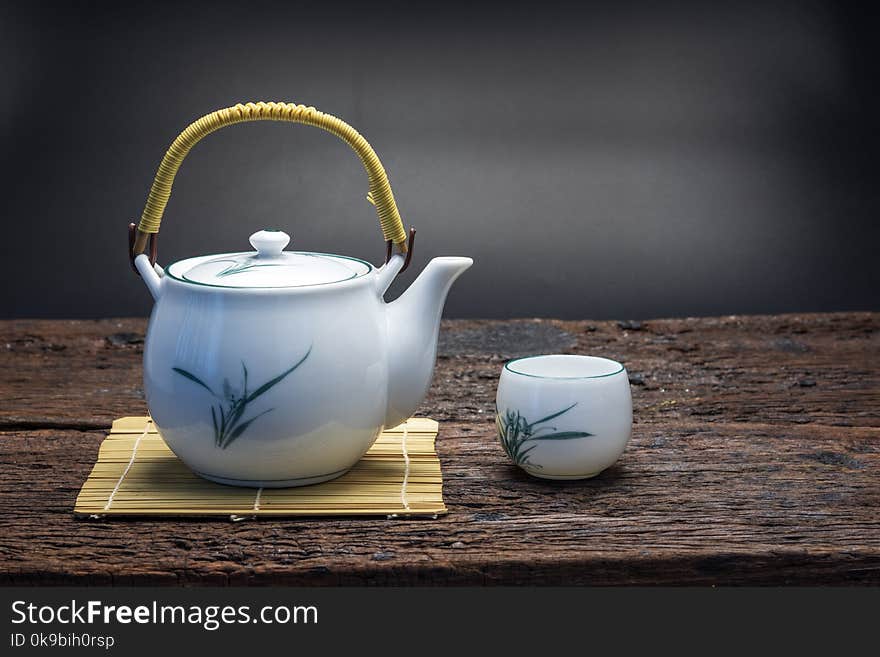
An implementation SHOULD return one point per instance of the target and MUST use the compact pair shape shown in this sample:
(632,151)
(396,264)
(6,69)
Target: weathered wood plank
(755,459)
(779,369)
(692,504)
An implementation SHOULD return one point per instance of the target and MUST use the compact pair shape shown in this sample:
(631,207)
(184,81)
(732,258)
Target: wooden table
(755,459)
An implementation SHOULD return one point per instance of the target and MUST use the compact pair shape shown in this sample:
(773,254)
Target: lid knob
(269,242)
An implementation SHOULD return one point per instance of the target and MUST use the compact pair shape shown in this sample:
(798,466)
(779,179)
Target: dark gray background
(596,160)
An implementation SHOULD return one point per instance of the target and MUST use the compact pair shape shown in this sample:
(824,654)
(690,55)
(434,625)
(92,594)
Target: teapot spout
(413,327)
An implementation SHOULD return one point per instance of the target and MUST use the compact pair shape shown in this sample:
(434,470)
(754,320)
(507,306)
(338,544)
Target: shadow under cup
(563,416)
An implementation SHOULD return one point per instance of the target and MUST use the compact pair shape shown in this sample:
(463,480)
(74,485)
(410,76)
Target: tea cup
(563,416)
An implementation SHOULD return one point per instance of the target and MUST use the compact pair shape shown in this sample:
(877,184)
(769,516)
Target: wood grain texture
(755,459)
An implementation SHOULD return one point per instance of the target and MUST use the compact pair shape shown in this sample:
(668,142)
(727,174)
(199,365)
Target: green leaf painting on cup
(519,436)
(228,415)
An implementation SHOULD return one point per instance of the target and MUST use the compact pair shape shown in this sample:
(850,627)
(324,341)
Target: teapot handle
(379,195)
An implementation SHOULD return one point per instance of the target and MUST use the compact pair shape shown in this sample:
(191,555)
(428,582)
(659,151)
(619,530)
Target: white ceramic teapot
(280,368)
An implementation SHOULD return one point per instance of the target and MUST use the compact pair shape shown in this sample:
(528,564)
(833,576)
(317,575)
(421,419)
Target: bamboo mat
(137,475)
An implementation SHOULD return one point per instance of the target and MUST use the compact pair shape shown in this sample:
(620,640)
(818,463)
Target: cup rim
(618,367)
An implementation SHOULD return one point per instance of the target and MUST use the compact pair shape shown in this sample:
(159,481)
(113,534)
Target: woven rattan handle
(379,195)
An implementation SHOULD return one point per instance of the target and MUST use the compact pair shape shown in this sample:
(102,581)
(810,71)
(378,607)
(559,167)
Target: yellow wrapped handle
(379,194)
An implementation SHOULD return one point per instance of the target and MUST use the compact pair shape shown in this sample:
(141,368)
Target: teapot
(277,368)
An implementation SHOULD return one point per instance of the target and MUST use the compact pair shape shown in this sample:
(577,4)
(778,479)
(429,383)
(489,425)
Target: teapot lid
(271,266)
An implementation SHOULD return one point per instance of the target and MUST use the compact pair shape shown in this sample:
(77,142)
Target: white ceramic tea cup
(563,416)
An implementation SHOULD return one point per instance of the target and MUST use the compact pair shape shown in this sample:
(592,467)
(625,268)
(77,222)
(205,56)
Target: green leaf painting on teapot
(228,415)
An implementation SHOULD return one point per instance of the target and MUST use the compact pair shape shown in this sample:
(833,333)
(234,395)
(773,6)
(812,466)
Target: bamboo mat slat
(137,475)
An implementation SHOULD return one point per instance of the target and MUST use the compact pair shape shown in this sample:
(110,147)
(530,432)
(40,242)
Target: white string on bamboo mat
(134,450)
(403,499)
(257,500)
